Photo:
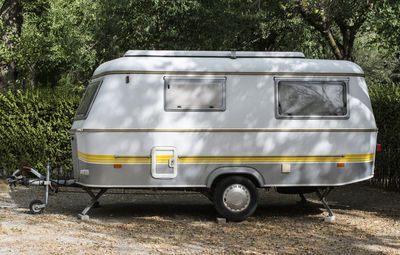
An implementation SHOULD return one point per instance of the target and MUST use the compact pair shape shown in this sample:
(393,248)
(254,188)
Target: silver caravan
(224,123)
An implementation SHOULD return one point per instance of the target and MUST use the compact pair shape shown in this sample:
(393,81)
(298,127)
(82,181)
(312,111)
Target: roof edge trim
(98,75)
(214,54)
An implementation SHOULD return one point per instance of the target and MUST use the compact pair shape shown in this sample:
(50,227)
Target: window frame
(223,79)
(323,80)
(84,116)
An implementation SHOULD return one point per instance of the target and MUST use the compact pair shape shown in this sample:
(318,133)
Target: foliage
(385,23)
(7,55)
(377,62)
(10,28)
(57,42)
(386,104)
(338,21)
(194,25)
(34,127)
(62,42)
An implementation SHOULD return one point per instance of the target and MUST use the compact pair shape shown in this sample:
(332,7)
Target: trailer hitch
(51,185)
(15,179)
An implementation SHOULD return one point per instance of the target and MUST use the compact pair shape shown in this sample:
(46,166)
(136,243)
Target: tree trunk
(11,17)
(325,15)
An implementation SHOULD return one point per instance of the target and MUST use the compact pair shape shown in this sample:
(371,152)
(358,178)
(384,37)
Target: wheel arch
(250,172)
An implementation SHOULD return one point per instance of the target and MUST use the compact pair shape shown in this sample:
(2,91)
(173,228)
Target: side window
(311,98)
(194,93)
(87,100)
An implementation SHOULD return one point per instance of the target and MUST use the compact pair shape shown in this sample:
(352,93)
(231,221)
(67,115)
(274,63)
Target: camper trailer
(224,123)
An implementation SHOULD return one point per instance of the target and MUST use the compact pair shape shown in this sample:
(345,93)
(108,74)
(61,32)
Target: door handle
(171,162)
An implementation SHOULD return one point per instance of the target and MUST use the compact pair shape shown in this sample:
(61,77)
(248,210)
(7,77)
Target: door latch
(171,162)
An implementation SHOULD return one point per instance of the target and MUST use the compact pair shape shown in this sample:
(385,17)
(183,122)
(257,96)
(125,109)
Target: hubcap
(236,198)
(36,208)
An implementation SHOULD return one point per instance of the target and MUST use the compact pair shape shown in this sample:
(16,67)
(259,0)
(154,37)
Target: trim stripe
(226,73)
(239,159)
(226,130)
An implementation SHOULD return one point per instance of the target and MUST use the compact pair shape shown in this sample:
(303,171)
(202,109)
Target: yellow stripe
(163,159)
(227,73)
(228,156)
(228,130)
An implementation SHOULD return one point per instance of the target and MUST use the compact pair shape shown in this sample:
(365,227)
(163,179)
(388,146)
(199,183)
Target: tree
(56,44)
(386,24)
(337,20)
(10,30)
(198,25)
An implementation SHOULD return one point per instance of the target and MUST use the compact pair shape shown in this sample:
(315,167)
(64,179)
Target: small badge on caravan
(84,172)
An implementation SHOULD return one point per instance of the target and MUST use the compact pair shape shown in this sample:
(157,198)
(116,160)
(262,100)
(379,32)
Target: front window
(87,100)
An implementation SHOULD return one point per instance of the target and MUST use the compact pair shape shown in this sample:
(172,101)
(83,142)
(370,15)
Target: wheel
(36,207)
(235,198)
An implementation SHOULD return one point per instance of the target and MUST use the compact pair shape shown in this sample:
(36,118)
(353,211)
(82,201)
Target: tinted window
(87,101)
(312,98)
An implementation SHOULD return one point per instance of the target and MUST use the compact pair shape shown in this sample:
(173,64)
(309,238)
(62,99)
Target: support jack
(322,194)
(93,203)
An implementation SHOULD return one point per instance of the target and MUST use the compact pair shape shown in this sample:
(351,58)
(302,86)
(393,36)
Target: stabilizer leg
(322,195)
(83,215)
(93,196)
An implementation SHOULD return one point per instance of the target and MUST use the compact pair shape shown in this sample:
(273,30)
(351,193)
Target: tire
(235,198)
(33,207)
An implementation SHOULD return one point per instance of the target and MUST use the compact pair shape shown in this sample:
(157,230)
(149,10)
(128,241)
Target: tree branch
(321,23)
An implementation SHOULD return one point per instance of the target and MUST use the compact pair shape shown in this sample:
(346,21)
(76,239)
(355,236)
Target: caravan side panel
(128,119)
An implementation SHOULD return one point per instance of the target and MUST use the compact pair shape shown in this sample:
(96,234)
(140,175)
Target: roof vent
(213,54)
(233,54)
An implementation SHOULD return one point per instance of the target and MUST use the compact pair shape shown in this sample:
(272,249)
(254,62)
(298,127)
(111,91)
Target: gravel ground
(143,222)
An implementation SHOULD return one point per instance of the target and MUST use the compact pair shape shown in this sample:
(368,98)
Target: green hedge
(385,100)
(34,128)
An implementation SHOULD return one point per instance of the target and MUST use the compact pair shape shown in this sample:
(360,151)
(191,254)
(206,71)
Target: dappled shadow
(185,220)
(367,198)
(120,204)
(142,203)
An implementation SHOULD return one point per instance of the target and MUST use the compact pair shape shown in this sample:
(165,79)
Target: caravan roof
(225,63)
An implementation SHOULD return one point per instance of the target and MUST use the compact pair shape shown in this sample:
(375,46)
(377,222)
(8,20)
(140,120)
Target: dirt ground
(147,222)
